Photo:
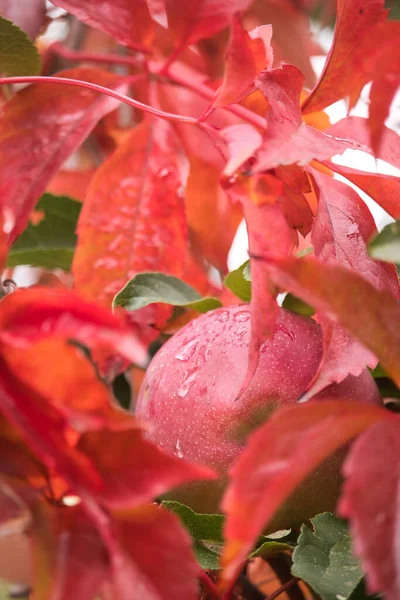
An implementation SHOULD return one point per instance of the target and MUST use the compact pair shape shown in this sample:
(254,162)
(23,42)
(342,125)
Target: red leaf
(269,235)
(213,219)
(61,373)
(373,509)
(128,21)
(288,140)
(133,218)
(384,189)
(69,558)
(188,22)
(292,41)
(134,470)
(242,141)
(37,313)
(161,562)
(278,457)
(356,25)
(340,234)
(40,127)
(71,183)
(247,55)
(356,128)
(370,315)
(386,80)
(29,15)
(45,432)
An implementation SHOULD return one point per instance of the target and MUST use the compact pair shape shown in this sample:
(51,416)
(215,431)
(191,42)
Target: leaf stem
(283,588)
(103,90)
(96,57)
(209,585)
(157,70)
(209,94)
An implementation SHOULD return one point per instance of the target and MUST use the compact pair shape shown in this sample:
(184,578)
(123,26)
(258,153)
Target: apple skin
(189,401)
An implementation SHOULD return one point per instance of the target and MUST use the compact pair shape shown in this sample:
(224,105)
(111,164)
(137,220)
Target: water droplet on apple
(178,449)
(188,350)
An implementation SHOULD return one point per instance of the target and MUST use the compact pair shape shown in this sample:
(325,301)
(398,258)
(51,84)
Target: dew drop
(178,449)
(186,383)
(188,350)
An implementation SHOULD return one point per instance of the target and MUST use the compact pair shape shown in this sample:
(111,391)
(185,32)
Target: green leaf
(146,288)
(18,56)
(296,305)
(50,243)
(324,559)
(239,282)
(386,245)
(206,558)
(207,533)
(204,528)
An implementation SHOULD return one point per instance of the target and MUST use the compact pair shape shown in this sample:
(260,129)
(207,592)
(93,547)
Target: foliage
(170,122)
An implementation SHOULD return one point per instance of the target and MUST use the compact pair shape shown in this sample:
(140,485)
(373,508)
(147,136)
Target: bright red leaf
(384,189)
(69,558)
(134,470)
(342,228)
(370,315)
(288,140)
(37,313)
(133,218)
(269,235)
(248,53)
(356,128)
(62,374)
(41,127)
(278,457)
(189,22)
(370,500)
(160,562)
(128,21)
(386,80)
(356,23)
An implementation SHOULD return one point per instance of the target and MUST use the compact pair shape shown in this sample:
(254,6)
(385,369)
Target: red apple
(189,399)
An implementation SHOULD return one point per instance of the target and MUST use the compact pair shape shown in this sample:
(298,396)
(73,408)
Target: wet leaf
(373,509)
(18,56)
(386,245)
(41,126)
(323,558)
(51,241)
(133,218)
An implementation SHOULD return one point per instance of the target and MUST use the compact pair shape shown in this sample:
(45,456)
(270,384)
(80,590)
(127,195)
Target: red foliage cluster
(219,124)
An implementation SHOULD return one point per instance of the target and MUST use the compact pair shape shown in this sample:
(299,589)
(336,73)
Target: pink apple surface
(189,399)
